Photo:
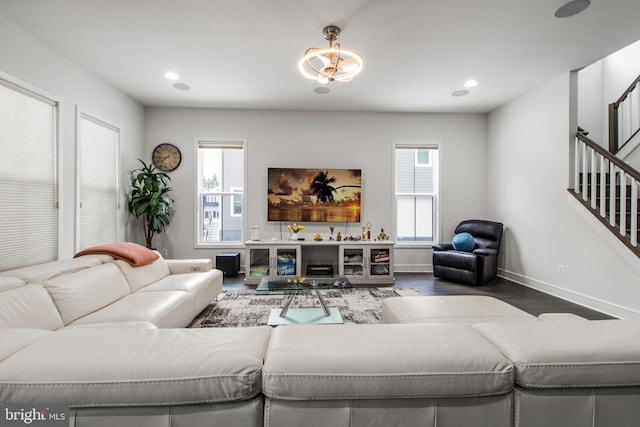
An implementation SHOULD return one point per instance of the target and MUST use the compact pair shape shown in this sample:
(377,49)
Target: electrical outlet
(561,269)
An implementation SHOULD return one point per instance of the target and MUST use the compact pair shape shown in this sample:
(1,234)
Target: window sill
(221,245)
(414,245)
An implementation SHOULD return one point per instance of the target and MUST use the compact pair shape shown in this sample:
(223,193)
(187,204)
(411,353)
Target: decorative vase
(294,236)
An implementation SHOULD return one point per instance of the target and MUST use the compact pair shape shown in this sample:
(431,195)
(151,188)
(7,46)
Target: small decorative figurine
(364,233)
(383,235)
(368,231)
(331,228)
(339,237)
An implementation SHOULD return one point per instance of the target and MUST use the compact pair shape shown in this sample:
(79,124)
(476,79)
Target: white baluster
(593,178)
(612,194)
(584,172)
(578,147)
(603,186)
(623,203)
(633,231)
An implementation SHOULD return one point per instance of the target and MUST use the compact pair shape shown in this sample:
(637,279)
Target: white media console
(362,262)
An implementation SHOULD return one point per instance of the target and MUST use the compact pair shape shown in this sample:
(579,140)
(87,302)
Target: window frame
(199,217)
(435,194)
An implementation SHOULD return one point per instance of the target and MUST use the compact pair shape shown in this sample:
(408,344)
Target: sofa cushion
(139,277)
(86,291)
(547,355)
(172,309)
(203,287)
(320,362)
(14,340)
(466,309)
(28,306)
(40,272)
(7,283)
(137,367)
(133,324)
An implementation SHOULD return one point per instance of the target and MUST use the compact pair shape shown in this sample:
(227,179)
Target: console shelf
(362,262)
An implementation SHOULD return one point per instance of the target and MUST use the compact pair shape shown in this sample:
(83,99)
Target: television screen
(314,195)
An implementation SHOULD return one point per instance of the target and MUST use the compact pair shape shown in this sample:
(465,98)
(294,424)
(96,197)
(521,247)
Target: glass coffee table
(295,285)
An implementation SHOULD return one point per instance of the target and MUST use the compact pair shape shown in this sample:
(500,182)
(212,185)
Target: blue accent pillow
(463,242)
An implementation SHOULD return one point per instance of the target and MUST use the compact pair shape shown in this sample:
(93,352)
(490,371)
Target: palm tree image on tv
(314,195)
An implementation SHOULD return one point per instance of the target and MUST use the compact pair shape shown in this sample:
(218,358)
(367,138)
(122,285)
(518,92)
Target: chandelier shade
(330,64)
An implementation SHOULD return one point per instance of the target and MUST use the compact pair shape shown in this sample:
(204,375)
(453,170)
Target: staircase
(602,181)
(608,187)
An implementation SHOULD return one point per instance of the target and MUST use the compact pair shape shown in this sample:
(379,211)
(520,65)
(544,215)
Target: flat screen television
(314,195)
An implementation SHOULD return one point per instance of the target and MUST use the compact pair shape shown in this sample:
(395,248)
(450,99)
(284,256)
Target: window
(220,192)
(28,185)
(423,158)
(416,191)
(236,204)
(98,182)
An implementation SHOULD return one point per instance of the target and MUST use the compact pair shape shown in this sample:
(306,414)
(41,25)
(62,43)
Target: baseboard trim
(413,268)
(587,301)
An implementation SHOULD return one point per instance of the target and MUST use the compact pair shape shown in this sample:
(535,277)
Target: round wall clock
(166,157)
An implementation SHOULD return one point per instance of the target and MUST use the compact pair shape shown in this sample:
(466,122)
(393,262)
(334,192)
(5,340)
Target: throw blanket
(133,253)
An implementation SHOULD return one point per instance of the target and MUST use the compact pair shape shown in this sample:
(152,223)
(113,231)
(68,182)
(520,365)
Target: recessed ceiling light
(470,83)
(572,8)
(321,90)
(182,86)
(171,76)
(458,93)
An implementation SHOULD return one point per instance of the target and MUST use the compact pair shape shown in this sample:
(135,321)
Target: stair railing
(608,187)
(624,117)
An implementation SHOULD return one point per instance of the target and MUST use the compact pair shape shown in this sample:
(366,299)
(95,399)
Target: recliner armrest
(485,251)
(442,247)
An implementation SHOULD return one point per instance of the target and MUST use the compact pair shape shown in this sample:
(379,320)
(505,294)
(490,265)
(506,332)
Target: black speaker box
(228,263)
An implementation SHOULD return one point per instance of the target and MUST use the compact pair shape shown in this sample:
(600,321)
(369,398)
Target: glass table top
(293,284)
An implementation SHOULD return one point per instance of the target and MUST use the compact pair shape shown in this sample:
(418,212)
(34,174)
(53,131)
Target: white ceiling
(244,53)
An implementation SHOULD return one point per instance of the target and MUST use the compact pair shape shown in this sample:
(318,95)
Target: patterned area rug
(245,308)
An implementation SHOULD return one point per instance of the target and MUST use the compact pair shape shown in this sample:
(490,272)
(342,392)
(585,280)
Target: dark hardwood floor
(527,299)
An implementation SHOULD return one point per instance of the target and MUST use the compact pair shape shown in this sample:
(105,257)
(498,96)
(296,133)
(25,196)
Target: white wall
(592,109)
(34,63)
(324,140)
(528,174)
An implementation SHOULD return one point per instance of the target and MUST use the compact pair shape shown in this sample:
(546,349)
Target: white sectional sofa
(96,289)
(66,338)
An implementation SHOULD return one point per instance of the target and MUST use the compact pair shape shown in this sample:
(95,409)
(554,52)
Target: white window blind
(98,165)
(28,212)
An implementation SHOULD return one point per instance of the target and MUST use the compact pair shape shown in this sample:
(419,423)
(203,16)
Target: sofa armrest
(561,317)
(180,266)
(442,247)
(485,252)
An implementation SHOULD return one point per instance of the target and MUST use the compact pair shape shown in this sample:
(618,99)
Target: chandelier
(330,64)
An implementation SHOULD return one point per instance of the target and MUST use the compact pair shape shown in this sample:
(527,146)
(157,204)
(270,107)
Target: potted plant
(150,200)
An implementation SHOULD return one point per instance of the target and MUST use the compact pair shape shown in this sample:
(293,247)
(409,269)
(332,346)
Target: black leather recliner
(473,268)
